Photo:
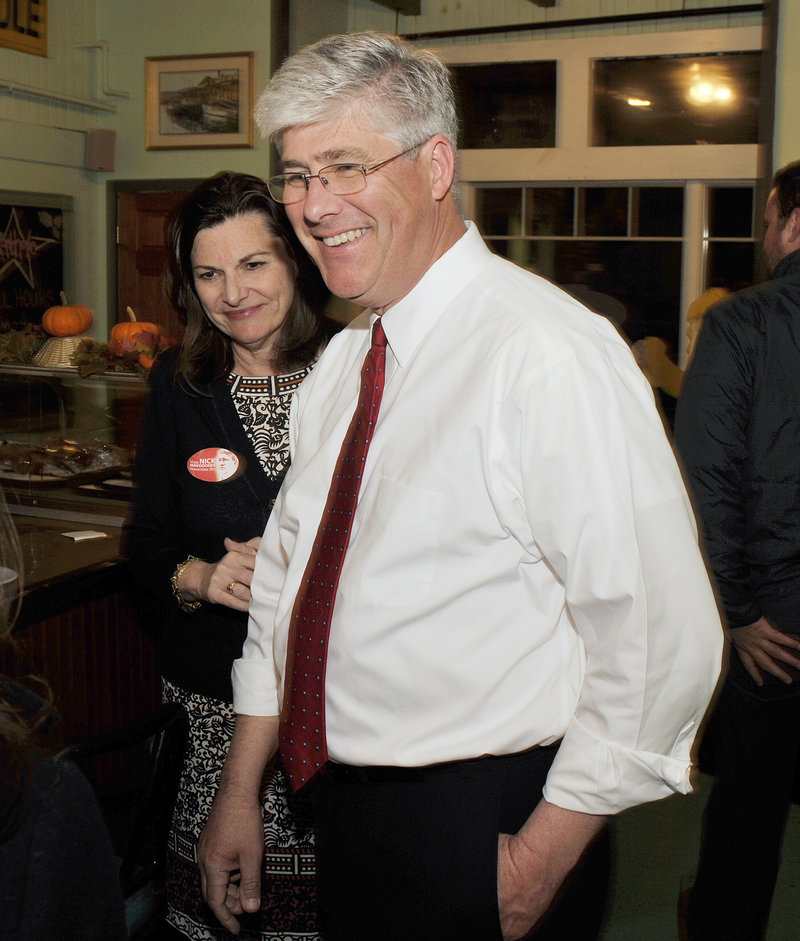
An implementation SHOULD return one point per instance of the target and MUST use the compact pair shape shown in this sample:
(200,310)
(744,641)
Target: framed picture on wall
(199,101)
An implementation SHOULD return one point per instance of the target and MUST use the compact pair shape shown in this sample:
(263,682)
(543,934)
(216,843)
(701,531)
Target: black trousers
(753,745)
(412,853)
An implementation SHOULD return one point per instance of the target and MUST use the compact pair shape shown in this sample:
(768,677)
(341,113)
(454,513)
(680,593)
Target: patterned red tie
(302,728)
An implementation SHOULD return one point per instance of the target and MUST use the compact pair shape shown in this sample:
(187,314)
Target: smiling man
(509,635)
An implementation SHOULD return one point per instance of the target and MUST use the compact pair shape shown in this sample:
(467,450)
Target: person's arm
(711,436)
(154,538)
(209,581)
(608,513)
(231,846)
(711,423)
(535,862)
(661,371)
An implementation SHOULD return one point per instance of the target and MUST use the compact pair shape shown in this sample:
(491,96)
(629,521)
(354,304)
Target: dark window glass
(658,211)
(732,264)
(730,212)
(603,210)
(709,99)
(498,211)
(636,284)
(512,104)
(549,210)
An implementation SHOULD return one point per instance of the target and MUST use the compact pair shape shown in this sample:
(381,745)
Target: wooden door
(142,256)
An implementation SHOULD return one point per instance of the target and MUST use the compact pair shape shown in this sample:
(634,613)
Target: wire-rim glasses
(340,179)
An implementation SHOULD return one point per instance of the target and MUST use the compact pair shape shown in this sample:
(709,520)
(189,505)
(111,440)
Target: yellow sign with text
(23,25)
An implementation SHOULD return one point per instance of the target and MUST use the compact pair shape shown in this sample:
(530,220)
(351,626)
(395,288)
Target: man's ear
(792,228)
(443,166)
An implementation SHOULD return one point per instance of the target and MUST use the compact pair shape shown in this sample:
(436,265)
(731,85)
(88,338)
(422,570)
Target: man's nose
(319,201)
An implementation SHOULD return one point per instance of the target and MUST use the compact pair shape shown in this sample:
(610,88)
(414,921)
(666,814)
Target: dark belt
(334,771)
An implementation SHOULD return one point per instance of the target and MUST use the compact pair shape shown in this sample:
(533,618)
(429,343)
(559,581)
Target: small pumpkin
(66,320)
(128,329)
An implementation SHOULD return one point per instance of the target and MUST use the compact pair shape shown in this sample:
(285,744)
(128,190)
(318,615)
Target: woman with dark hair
(212,454)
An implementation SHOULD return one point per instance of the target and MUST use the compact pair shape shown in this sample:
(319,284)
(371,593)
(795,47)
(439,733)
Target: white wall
(473,14)
(42,143)
(787,127)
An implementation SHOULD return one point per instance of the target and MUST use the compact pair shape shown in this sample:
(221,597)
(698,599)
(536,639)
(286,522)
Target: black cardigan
(174,515)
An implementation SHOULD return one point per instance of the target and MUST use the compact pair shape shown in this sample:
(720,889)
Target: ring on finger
(231,588)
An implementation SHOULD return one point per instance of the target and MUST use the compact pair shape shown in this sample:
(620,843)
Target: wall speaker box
(101,147)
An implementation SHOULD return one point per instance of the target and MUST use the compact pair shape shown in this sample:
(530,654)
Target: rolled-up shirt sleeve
(254,676)
(623,542)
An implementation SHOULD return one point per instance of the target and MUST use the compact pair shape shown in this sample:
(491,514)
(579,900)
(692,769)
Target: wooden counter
(77,628)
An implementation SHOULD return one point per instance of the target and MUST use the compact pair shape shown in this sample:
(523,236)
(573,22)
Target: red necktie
(302,728)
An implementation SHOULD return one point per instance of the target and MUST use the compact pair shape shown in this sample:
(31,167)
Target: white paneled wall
(471,15)
(66,70)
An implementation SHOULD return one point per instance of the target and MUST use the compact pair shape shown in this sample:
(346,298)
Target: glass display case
(66,442)
(66,448)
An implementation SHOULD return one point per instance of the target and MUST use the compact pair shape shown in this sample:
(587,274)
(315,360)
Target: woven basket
(57,351)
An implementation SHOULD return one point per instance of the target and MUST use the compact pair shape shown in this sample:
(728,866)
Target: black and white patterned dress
(288,893)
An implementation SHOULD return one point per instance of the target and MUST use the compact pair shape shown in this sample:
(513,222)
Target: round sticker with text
(215,465)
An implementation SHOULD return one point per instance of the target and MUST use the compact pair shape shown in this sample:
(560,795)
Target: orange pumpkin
(66,320)
(127,330)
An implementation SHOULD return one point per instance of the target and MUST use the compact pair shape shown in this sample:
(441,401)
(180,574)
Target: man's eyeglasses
(341,179)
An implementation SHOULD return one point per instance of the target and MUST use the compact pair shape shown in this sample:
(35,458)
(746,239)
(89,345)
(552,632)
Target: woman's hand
(225,582)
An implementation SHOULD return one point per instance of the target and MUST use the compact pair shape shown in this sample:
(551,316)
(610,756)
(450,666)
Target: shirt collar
(787,265)
(411,319)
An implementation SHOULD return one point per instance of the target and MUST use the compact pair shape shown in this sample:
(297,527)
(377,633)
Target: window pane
(732,264)
(658,211)
(498,211)
(643,277)
(604,210)
(709,99)
(730,212)
(506,105)
(549,210)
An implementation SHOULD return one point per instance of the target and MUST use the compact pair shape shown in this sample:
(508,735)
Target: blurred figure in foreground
(653,355)
(58,875)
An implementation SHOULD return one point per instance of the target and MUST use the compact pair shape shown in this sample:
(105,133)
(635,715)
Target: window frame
(574,160)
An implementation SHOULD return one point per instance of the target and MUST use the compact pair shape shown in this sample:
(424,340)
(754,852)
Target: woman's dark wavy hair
(205,352)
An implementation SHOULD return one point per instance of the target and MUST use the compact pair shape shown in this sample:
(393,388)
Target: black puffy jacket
(737,431)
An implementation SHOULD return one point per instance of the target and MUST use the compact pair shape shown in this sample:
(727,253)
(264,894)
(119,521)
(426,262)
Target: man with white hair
(514,638)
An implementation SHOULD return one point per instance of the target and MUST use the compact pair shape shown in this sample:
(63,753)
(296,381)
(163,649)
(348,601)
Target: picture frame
(199,101)
(36,255)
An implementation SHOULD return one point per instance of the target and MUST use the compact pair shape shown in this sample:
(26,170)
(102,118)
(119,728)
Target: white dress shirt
(523,564)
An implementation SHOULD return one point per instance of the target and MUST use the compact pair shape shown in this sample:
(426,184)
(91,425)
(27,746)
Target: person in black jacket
(212,455)
(738,433)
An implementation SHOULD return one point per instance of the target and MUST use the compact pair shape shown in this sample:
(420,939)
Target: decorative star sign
(18,249)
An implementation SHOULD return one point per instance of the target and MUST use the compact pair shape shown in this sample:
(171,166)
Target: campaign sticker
(215,465)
